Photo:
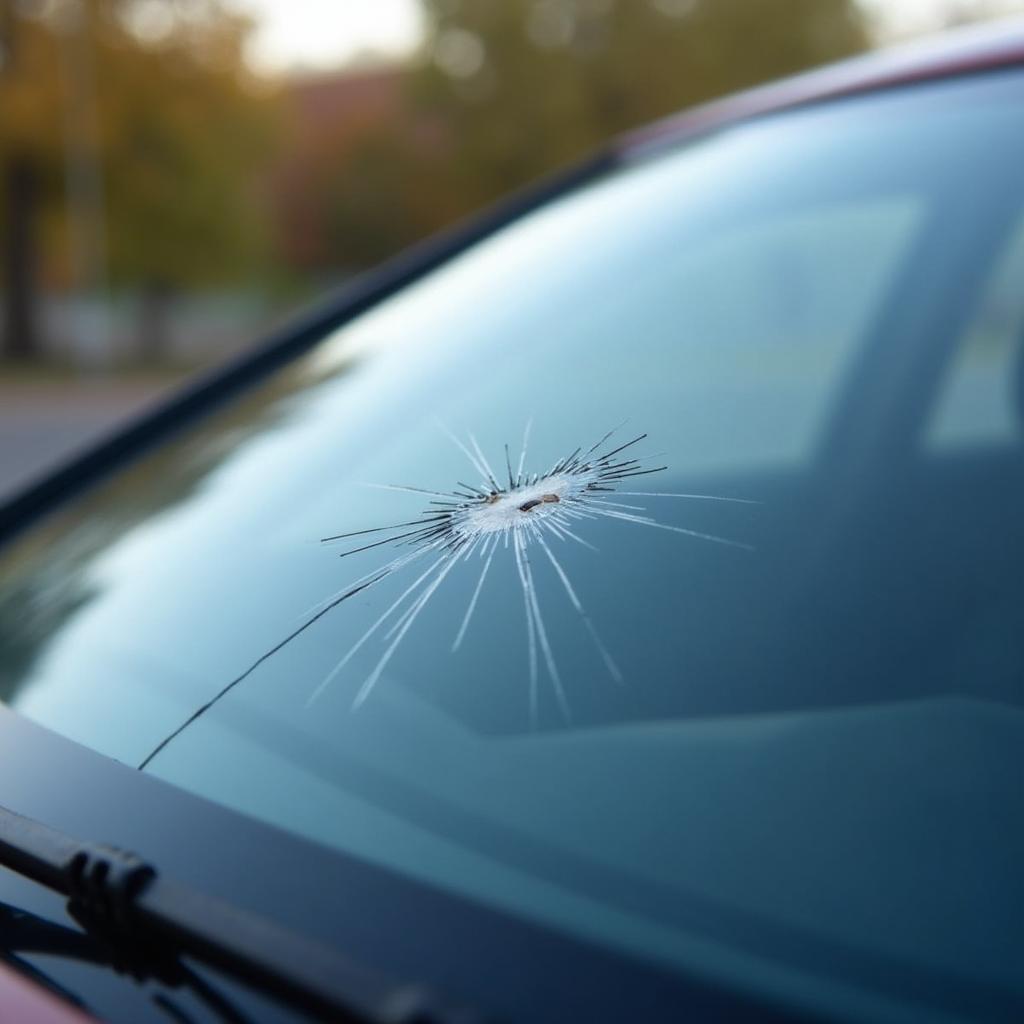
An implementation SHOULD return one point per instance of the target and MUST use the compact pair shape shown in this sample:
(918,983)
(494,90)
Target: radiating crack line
(480,519)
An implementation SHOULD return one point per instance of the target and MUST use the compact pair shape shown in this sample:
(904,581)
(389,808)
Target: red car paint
(23,1002)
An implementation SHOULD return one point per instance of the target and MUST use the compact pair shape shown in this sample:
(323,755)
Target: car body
(742,745)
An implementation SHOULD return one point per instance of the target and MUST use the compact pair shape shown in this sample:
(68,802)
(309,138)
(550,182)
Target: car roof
(970,50)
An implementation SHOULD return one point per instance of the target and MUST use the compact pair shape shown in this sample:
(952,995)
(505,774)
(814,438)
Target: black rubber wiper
(123,900)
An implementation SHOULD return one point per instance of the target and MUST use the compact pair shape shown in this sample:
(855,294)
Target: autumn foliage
(141,154)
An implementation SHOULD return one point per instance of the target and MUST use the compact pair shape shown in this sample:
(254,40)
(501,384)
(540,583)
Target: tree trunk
(21,337)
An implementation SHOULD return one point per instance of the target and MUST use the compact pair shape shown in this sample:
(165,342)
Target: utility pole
(84,183)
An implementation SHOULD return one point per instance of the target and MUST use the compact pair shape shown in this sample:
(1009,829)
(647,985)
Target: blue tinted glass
(657,616)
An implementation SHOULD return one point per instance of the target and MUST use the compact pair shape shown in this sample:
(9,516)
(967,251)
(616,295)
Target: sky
(321,34)
(902,18)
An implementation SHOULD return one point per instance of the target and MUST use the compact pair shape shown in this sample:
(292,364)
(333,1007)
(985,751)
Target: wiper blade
(123,899)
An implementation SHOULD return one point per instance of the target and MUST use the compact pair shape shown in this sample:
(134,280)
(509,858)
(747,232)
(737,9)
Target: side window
(981,402)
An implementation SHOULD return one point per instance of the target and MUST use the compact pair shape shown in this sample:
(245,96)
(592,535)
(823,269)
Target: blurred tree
(506,90)
(24,107)
(178,137)
(527,85)
(361,173)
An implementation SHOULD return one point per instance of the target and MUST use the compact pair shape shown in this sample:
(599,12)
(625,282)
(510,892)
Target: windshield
(652,569)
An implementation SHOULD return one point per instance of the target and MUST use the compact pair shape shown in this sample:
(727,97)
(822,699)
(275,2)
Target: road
(41,424)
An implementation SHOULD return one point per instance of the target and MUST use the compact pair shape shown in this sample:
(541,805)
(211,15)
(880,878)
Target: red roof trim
(979,48)
(24,1001)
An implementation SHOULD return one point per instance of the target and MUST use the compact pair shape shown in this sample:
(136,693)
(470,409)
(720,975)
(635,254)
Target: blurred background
(177,175)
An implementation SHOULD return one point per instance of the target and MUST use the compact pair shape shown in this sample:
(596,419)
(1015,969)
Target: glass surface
(982,395)
(754,711)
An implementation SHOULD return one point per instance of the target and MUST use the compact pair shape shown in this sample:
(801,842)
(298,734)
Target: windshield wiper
(121,899)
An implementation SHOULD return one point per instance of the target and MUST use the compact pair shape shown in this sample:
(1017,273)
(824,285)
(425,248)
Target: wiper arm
(122,899)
